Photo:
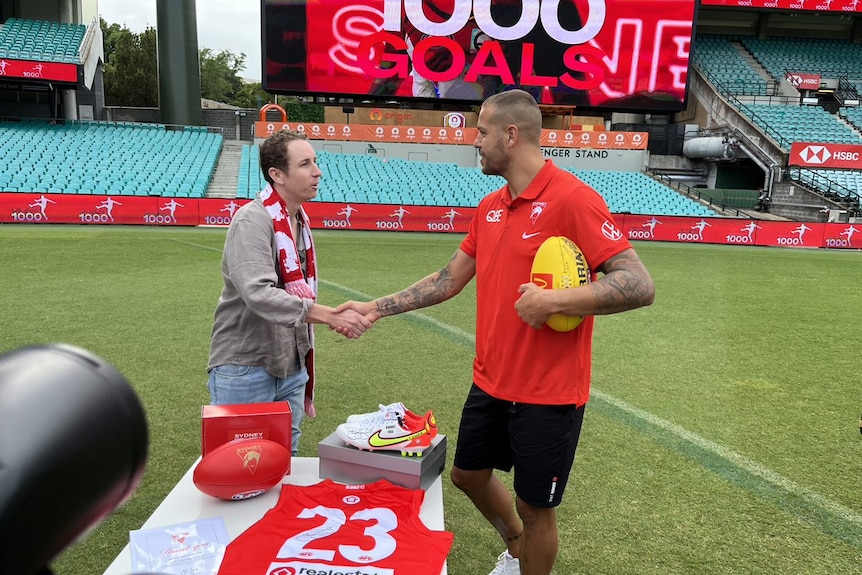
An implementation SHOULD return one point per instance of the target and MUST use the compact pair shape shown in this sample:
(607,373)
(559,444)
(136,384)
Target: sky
(222,25)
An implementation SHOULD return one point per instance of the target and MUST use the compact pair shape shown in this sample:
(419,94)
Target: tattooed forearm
(625,285)
(431,290)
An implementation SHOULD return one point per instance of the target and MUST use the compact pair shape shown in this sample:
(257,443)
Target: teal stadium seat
(102,157)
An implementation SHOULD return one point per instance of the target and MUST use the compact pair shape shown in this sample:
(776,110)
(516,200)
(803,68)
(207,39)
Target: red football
(242,468)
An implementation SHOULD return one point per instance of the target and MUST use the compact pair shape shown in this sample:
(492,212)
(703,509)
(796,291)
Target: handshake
(351,319)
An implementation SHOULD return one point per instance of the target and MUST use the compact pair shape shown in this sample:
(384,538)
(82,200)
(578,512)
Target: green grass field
(722,436)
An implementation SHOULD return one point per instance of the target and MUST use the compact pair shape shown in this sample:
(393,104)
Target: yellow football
(560,264)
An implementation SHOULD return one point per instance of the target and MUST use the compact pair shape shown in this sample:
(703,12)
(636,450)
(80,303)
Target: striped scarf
(295,282)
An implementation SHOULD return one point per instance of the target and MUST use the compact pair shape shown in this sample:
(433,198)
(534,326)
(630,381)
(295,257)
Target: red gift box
(223,423)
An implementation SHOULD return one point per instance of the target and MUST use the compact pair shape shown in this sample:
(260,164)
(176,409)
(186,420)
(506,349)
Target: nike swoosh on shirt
(526,236)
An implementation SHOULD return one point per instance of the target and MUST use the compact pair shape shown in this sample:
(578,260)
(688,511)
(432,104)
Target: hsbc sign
(815,155)
(804,81)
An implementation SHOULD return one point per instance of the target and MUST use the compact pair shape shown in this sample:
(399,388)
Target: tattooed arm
(625,285)
(430,290)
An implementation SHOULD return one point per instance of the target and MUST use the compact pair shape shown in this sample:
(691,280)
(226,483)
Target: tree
(220,79)
(131,76)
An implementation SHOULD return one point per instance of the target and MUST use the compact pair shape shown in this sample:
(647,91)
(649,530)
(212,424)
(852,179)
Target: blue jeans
(230,384)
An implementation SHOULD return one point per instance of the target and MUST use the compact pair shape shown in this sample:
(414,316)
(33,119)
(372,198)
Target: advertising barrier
(815,6)
(36,70)
(156,211)
(367,133)
(599,139)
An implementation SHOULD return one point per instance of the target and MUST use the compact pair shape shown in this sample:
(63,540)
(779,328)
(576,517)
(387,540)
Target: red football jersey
(371,529)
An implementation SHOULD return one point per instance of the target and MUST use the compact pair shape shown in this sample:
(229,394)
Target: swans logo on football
(610,231)
(494,216)
(250,457)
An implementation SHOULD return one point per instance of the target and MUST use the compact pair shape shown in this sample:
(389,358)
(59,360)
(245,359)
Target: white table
(186,503)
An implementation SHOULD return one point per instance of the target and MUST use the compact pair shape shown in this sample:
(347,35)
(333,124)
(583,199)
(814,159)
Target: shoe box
(346,464)
(223,423)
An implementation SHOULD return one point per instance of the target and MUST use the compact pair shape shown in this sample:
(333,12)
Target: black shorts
(539,441)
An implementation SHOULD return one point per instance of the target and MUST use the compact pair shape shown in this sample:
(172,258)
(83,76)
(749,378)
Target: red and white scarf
(295,282)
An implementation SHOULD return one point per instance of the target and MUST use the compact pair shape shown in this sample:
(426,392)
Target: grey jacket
(256,321)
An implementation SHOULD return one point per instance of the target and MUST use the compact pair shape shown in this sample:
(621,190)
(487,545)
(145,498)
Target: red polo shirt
(513,361)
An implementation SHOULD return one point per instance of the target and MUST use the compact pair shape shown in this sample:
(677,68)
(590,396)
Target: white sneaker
(507,565)
(391,411)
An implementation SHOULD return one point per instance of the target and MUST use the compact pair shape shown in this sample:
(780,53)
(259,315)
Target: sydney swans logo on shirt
(536,211)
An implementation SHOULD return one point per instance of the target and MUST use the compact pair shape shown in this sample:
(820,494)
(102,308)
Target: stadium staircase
(226,175)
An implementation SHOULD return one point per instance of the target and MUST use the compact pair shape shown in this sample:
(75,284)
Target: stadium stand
(368,179)
(722,58)
(92,157)
(732,62)
(637,193)
(852,115)
(41,40)
(829,58)
(250,180)
(107,158)
(794,123)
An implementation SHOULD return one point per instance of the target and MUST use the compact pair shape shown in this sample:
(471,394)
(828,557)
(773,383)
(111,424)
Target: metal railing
(829,189)
(698,194)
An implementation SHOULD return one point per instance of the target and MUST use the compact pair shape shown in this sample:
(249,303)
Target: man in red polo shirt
(530,383)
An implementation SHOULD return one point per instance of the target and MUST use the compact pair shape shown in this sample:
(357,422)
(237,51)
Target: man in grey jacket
(262,340)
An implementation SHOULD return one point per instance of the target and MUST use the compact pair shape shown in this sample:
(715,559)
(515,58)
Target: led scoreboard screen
(619,54)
